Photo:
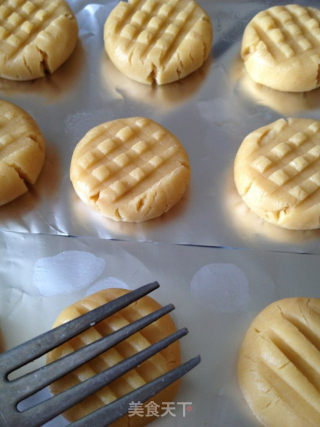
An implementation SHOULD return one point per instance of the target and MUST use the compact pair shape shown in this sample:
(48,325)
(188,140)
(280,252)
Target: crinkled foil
(211,112)
(217,292)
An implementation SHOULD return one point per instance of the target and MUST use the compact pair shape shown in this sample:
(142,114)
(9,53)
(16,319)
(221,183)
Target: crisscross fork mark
(304,23)
(38,26)
(12,136)
(264,36)
(297,44)
(128,182)
(130,11)
(13,30)
(307,34)
(162,29)
(108,144)
(183,32)
(306,155)
(165,23)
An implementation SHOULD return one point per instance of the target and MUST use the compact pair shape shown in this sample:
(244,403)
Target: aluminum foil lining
(210,111)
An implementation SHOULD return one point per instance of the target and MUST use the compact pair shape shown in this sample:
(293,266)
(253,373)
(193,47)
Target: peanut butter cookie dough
(130,169)
(36,37)
(22,152)
(158,41)
(281,48)
(276,172)
(278,365)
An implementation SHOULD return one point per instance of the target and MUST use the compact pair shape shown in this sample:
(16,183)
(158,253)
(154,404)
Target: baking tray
(186,250)
(211,111)
(217,293)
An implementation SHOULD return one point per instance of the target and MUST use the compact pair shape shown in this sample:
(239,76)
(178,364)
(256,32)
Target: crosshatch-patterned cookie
(277,173)
(22,152)
(130,169)
(36,37)
(158,41)
(159,364)
(281,48)
(278,365)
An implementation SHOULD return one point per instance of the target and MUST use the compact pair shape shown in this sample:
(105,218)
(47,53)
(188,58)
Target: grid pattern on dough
(21,21)
(136,152)
(293,164)
(287,31)
(149,28)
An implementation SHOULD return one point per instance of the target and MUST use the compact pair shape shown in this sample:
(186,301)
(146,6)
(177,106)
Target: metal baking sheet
(217,293)
(210,112)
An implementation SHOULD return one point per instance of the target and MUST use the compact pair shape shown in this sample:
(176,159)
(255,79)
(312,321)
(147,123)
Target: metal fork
(14,391)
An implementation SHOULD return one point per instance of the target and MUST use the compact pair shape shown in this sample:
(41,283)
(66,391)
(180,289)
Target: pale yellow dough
(36,37)
(158,41)
(130,169)
(277,173)
(279,364)
(22,152)
(162,362)
(281,48)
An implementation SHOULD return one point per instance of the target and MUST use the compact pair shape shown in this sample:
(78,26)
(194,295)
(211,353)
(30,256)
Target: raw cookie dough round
(159,364)
(281,48)
(277,173)
(36,37)
(130,169)
(22,152)
(278,365)
(158,41)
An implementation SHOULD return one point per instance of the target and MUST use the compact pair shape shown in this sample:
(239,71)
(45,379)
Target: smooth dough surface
(279,364)
(22,152)
(281,48)
(36,37)
(130,169)
(160,363)
(158,41)
(277,173)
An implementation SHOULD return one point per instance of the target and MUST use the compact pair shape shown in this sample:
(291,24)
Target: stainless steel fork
(14,391)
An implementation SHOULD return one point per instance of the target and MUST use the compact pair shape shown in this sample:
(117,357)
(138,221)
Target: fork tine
(45,411)
(30,350)
(110,413)
(36,380)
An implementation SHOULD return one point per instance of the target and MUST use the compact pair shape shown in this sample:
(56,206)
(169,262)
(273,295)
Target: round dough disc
(130,169)
(281,48)
(158,41)
(276,172)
